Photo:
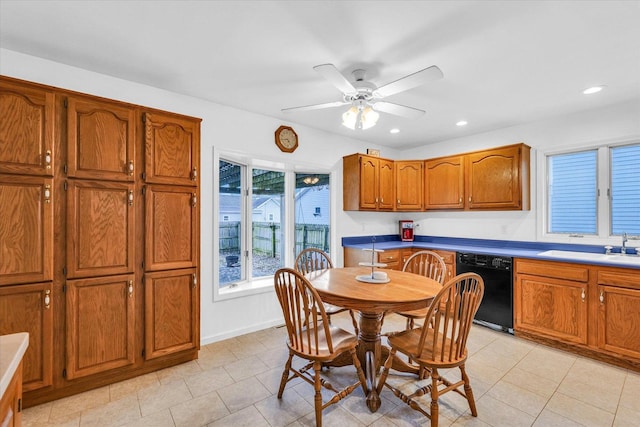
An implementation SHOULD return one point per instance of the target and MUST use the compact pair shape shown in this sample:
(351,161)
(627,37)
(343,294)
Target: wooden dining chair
(313,259)
(428,264)
(311,337)
(440,343)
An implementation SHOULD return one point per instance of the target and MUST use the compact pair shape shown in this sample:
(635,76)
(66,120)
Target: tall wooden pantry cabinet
(99,237)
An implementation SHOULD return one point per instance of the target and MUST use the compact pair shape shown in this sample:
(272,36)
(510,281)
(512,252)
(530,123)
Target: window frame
(603,234)
(259,285)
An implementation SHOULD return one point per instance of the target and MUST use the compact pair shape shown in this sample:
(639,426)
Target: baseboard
(237,332)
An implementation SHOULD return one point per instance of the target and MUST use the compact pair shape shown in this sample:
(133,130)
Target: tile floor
(234,383)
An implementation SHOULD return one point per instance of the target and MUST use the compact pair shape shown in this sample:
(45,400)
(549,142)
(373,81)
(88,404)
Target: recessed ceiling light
(461,123)
(394,130)
(591,90)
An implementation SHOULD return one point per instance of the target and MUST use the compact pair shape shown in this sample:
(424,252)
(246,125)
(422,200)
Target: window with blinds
(572,191)
(625,189)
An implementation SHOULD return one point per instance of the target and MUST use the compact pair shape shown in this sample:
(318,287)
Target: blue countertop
(508,248)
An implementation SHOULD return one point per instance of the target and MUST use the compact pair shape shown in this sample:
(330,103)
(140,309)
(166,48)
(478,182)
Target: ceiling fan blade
(409,82)
(336,78)
(397,109)
(316,106)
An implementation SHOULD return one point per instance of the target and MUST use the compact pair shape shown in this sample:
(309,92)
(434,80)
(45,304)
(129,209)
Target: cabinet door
(444,183)
(409,192)
(386,185)
(100,320)
(553,307)
(171,312)
(101,138)
(100,228)
(493,179)
(28,308)
(619,320)
(172,149)
(26,229)
(26,129)
(369,182)
(171,227)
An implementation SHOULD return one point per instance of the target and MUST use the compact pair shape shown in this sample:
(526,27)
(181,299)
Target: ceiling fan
(365,97)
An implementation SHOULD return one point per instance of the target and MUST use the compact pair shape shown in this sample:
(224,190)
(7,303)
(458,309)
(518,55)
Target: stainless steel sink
(614,258)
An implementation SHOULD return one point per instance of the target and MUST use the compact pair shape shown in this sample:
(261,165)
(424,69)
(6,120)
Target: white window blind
(625,189)
(573,193)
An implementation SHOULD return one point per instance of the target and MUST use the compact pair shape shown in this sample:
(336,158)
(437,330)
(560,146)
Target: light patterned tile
(114,413)
(37,414)
(280,412)
(243,393)
(131,386)
(208,381)
(199,411)
(247,417)
(549,418)
(163,397)
(631,391)
(628,417)
(547,362)
(499,414)
(64,408)
(178,372)
(525,400)
(533,382)
(245,368)
(579,411)
(159,419)
(216,358)
(582,388)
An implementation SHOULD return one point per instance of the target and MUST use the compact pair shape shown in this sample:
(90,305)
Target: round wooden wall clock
(286,139)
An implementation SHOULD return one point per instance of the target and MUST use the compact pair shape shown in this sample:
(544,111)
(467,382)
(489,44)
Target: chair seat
(331,309)
(407,342)
(342,341)
(415,314)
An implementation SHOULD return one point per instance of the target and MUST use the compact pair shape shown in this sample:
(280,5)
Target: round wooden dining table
(404,292)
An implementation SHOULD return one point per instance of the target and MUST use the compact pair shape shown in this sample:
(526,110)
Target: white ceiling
(504,62)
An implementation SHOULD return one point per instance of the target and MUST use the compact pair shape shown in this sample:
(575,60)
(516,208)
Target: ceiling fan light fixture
(360,117)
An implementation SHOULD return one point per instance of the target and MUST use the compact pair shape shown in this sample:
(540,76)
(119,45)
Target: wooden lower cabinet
(171,312)
(589,309)
(100,324)
(29,308)
(11,401)
(551,307)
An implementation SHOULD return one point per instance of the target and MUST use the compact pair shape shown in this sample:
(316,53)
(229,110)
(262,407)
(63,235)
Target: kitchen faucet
(623,249)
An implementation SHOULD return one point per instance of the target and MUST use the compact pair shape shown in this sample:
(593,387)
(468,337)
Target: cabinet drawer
(626,279)
(559,270)
(447,256)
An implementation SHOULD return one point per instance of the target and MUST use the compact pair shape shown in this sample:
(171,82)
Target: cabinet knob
(398,201)
(130,167)
(130,198)
(130,289)
(47,299)
(469,199)
(583,295)
(601,297)
(195,280)
(194,199)
(460,201)
(194,174)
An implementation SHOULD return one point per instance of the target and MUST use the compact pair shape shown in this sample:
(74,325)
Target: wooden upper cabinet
(369,183)
(100,139)
(171,312)
(171,227)
(26,129)
(498,179)
(26,229)
(29,308)
(100,322)
(100,228)
(444,183)
(172,149)
(409,185)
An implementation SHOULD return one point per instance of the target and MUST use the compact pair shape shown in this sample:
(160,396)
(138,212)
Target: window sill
(257,286)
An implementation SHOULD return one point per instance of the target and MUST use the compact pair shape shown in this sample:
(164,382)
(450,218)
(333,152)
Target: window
(252,207)
(594,192)
(311,229)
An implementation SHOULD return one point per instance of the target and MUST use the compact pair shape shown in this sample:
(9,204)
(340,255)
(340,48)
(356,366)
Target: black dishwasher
(496,309)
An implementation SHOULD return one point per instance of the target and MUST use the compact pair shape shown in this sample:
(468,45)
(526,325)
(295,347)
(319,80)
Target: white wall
(226,129)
